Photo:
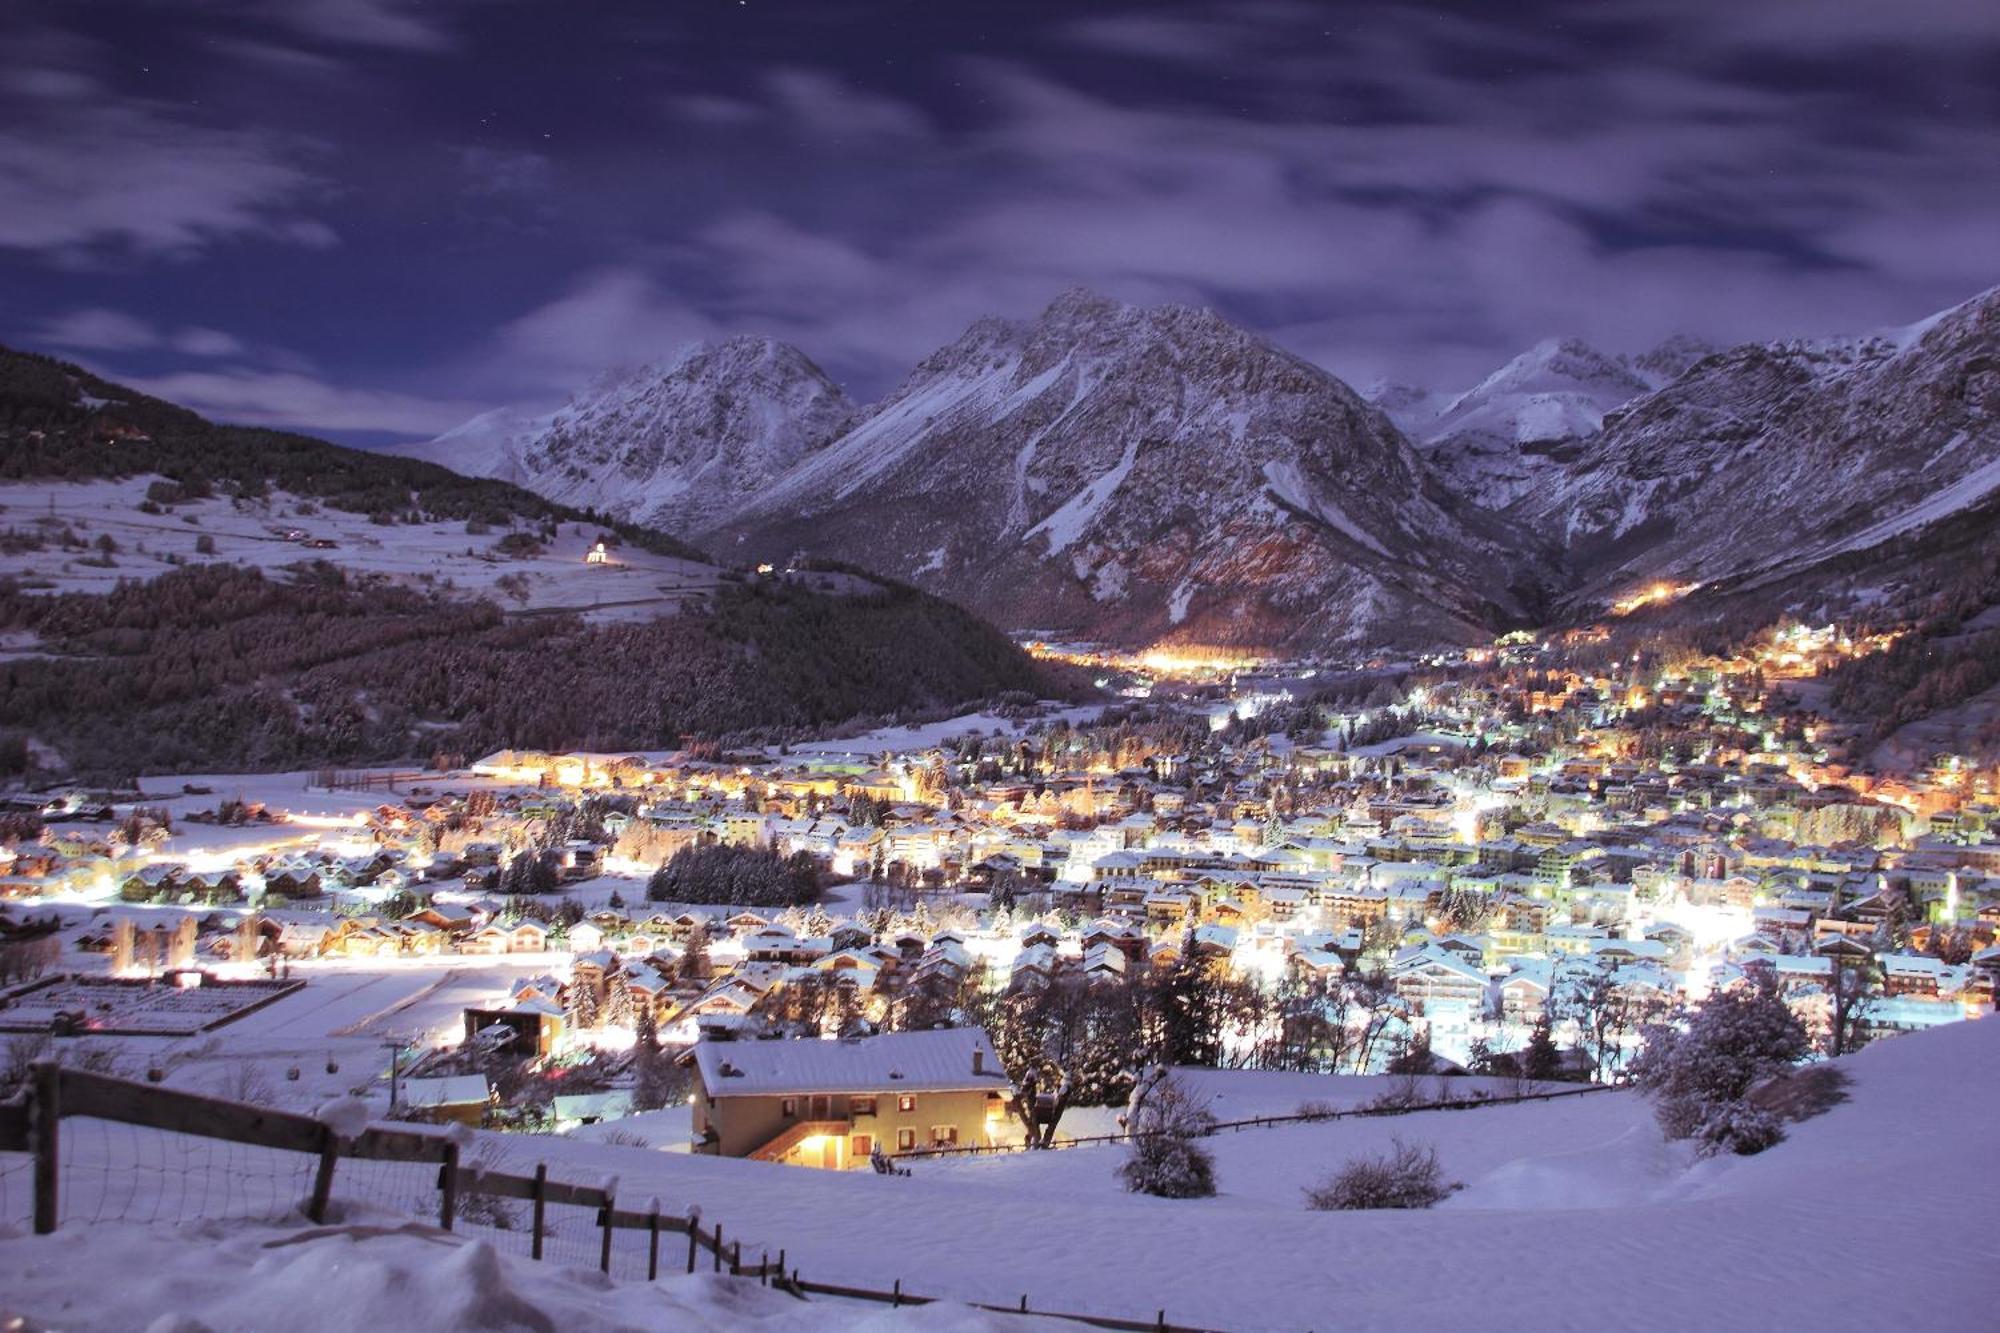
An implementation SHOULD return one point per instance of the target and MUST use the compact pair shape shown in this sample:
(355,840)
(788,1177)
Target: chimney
(978,1060)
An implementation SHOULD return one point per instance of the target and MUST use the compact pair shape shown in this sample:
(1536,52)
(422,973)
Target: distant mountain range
(1516,429)
(1145,474)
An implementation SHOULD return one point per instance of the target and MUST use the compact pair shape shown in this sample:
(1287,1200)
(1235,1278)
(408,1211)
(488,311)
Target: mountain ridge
(1039,470)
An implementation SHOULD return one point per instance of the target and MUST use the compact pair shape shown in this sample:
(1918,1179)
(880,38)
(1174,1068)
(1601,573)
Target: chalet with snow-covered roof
(498,938)
(831,1104)
(1436,976)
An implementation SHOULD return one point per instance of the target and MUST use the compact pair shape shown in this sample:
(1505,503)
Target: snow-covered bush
(1400,1092)
(1167,1158)
(1407,1176)
(1700,1079)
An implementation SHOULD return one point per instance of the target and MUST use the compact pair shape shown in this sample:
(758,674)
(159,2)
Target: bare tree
(1852,997)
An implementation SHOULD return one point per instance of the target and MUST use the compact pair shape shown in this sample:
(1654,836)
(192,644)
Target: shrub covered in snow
(1167,1124)
(1408,1176)
(1700,1079)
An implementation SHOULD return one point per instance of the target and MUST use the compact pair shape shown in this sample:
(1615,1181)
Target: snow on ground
(329,1038)
(382,1274)
(1244,1094)
(633,585)
(928,735)
(1575,1216)
(669,1129)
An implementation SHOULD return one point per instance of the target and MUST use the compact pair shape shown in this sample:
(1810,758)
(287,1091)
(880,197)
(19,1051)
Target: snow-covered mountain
(1139,474)
(1781,456)
(491,444)
(674,444)
(1507,435)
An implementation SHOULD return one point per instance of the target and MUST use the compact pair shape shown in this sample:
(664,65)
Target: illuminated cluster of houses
(1511,855)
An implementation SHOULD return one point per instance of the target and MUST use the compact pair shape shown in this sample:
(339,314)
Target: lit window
(861,1106)
(906,1139)
(906,1103)
(789,1107)
(944,1136)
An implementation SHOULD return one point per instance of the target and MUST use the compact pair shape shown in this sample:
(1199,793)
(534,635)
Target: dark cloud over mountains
(367,216)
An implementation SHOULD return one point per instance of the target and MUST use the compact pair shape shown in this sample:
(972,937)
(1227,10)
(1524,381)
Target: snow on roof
(938,1061)
(450,1090)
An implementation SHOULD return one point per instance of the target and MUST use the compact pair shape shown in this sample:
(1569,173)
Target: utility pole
(395,1071)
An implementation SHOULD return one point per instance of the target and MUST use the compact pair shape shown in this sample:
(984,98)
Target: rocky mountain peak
(672,442)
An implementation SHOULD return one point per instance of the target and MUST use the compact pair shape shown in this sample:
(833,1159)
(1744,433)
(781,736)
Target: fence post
(718,1247)
(736,1259)
(896,1295)
(448,1187)
(653,1243)
(604,1249)
(764,1269)
(329,1153)
(541,1206)
(694,1236)
(47,1115)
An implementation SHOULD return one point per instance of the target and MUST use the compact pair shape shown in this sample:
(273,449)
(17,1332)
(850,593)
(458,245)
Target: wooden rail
(31,1123)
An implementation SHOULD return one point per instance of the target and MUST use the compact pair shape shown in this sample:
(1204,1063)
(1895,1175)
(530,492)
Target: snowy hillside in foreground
(373,1275)
(1574,1216)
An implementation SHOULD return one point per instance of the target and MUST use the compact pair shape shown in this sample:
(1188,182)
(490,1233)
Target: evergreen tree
(1167,1158)
(1190,1005)
(581,1006)
(1701,1079)
(1540,1060)
(694,954)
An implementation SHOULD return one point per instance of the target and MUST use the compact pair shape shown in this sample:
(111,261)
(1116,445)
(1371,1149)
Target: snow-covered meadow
(1574,1215)
(271,534)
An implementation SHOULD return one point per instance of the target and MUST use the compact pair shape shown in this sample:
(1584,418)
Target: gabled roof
(937,1061)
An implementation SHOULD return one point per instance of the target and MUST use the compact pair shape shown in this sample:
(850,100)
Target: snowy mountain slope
(1519,426)
(1784,455)
(489,445)
(1140,474)
(670,444)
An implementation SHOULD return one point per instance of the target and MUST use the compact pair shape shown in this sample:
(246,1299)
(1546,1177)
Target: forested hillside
(215,668)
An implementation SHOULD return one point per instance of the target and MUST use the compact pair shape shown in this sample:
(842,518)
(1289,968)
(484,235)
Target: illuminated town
(1501,849)
(1161,666)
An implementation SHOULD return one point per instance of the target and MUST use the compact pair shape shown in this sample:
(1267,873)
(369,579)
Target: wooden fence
(1265,1122)
(32,1123)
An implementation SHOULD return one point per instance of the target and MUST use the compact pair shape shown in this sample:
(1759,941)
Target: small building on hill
(832,1103)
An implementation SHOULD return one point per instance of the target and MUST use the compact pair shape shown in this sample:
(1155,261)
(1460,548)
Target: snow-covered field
(633,585)
(230,1278)
(1575,1215)
(925,736)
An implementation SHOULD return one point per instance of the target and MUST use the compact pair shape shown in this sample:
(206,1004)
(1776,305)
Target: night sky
(371,218)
